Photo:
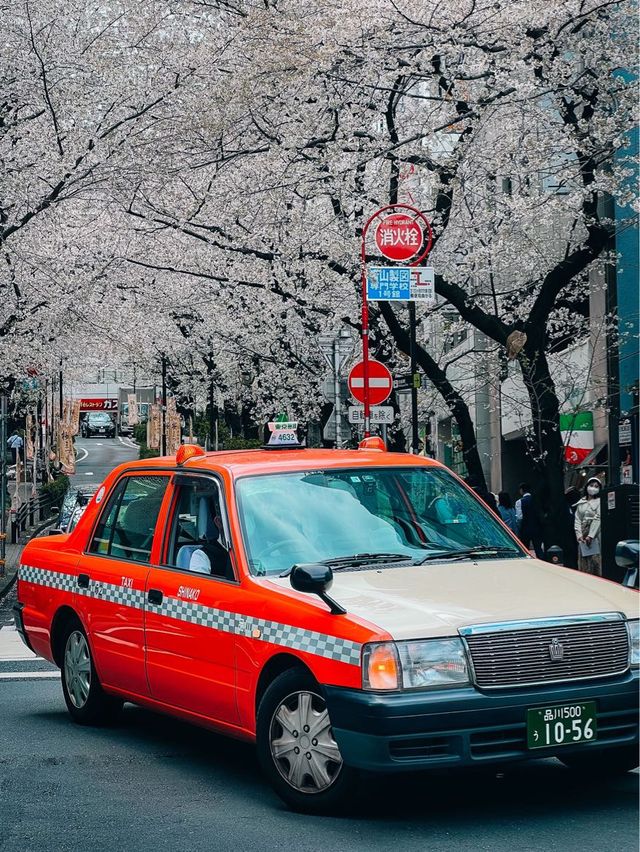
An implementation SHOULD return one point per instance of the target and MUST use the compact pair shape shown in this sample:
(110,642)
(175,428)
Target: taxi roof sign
(284,433)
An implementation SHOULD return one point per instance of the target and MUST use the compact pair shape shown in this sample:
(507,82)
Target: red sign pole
(365,335)
(365,308)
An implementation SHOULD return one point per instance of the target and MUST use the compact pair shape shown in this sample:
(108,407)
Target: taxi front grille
(551,653)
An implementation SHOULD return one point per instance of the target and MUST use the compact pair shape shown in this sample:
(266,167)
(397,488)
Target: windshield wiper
(364,558)
(480,550)
(356,559)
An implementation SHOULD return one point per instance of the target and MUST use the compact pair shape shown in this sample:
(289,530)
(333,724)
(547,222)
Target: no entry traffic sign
(399,237)
(380,382)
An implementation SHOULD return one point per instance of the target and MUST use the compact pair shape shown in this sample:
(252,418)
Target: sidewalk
(12,556)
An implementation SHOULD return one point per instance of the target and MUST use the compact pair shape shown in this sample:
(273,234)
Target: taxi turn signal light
(381,668)
(188,451)
(373,443)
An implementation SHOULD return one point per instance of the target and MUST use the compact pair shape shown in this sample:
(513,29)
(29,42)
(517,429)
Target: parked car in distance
(74,503)
(98,424)
(346,610)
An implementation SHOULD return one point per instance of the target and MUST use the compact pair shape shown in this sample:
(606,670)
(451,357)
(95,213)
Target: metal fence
(34,511)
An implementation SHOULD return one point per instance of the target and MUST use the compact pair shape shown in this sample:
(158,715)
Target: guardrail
(34,510)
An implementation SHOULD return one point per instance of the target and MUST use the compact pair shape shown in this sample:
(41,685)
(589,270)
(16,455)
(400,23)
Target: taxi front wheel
(86,701)
(296,748)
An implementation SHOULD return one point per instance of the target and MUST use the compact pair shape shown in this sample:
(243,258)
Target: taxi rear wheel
(86,701)
(296,748)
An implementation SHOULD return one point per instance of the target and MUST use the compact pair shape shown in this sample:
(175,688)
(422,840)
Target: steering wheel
(270,550)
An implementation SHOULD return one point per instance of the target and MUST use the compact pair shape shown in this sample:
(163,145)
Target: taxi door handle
(155,596)
(83,581)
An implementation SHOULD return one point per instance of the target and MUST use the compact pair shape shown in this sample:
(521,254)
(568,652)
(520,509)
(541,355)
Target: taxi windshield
(349,517)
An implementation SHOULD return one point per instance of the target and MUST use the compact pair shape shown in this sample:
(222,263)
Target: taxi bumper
(19,623)
(464,727)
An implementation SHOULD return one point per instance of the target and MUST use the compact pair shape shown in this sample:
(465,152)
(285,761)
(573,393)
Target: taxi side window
(197,541)
(126,528)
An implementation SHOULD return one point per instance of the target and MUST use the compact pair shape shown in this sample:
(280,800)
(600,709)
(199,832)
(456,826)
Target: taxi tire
(99,708)
(343,789)
(612,761)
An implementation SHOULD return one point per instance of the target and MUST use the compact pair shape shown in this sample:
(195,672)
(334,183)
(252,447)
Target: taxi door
(112,579)
(190,646)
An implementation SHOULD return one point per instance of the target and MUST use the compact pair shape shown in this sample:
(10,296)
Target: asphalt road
(96,457)
(152,783)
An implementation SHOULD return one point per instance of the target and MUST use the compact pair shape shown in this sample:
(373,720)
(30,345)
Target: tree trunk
(455,403)
(547,451)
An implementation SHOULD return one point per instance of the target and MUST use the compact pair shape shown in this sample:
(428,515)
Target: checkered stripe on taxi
(69,583)
(274,632)
(52,579)
(342,650)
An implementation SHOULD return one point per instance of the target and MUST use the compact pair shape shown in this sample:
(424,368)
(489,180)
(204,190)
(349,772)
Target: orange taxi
(346,610)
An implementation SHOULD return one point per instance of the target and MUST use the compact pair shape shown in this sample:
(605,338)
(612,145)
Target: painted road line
(12,647)
(82,450)
(88,473)
(127,442)
(28,675)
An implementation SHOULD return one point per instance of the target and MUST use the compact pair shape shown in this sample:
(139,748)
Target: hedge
(56,490)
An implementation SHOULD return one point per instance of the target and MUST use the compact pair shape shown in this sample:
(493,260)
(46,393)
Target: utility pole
(213,416)
(337,402)
(60,392)
(415,441)
(164,405)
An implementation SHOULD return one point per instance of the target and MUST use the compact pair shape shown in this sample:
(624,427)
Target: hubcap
(77,668)
(302,743)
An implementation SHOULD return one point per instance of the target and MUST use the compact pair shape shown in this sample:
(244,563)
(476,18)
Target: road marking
(88,473)
(99,445)
(27,675)
(127,442)
(82,450)
(12,647)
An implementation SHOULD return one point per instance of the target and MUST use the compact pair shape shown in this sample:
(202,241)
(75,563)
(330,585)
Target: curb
(5,591)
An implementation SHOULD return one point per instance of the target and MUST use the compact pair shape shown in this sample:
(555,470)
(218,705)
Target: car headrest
(207,530)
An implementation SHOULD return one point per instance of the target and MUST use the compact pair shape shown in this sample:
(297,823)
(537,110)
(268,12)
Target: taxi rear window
(125,529)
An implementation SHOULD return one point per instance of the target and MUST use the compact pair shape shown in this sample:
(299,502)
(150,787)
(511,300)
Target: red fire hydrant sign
(399,237)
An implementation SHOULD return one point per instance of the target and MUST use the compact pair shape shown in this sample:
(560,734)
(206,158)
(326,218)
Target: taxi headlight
(634,643)
(433,663)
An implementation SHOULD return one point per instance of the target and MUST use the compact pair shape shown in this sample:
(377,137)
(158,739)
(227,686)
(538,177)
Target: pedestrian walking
(507,511)
(529,520)
(15,444)
(587,528)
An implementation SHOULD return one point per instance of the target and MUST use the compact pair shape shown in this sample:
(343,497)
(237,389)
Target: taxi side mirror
(315,578)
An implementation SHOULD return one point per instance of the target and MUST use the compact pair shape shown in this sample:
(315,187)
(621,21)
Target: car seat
(207,531)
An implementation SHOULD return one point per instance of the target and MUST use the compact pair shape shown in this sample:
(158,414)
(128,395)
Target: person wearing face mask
(587,528)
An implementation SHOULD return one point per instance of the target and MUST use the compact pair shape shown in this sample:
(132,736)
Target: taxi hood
(437,599)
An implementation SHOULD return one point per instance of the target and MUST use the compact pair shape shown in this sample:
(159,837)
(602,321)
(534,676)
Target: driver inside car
(208,556)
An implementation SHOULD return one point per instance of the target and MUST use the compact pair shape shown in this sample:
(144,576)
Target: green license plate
(561,724)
